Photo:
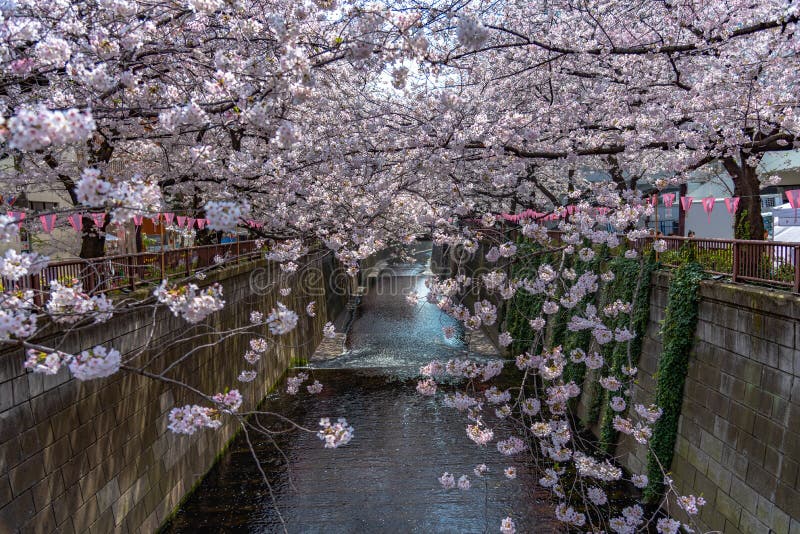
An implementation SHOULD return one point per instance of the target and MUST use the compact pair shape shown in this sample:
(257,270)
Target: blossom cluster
(335,434)
(189,301)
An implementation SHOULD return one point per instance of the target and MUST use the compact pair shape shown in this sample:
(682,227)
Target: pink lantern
(708,206)
(732,204)
(669,199)
(76,221)
(686,202)
(48,222)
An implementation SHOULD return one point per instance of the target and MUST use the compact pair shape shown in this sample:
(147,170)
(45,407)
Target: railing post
(735,273)
(796,287)
(188,252)
(131,271)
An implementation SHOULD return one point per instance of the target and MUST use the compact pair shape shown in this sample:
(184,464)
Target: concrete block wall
(738,443)
(96,456)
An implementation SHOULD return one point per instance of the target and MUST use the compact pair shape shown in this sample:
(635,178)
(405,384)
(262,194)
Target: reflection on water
(385,480)
(388,333)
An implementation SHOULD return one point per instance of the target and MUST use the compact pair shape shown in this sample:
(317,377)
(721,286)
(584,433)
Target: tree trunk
(93,242)
(681,212)
(748,223)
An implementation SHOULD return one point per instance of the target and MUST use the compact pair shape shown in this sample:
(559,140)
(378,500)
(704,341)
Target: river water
(385,479)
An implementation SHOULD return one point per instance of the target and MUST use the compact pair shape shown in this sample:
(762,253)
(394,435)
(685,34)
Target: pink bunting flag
(732,204)
(168,217)
(686,202)
(654,200)
(190,222)
(708,206)
(137,220)
(181,220)
(571,209)
(794,198)
(18,216)
(201,223)
(76,221)
(99,219)
(48,222)
(669,199)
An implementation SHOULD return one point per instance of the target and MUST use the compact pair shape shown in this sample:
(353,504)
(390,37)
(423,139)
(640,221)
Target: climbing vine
(677,331)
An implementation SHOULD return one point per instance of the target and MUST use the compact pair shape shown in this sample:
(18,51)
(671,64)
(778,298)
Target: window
(38,206)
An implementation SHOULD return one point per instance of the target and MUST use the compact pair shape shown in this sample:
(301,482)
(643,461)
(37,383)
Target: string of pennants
(668,199)
(75,220)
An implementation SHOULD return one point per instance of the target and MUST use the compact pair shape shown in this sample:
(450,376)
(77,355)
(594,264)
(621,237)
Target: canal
(386,478)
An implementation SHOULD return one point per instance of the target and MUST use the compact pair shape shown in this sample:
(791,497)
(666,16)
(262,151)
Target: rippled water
(385,480)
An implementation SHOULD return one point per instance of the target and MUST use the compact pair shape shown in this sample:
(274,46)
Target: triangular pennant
(99,219)
(48,222)
(732,204)
(686,202)
(201,223)
(190,222)
(708,206)
(137,220)
(76,221)
(181,220)
(669,199)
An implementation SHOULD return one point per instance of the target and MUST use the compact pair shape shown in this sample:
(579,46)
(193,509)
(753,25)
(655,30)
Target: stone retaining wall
(738,441)
(96,456)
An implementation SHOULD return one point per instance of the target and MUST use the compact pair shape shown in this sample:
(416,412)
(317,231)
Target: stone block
(5,491)
(108,495)
(742,417)
(750,523)
(773,460)
(768,353)
(745,495)
(779,521)
(17,512)
(15,420)
(718,404)
(725,431)
(46,490)
(104,524)
(83,517)
(711,445)
(728,507)
(765,510)
(777,382)
(788,500)
(719,475)
(732,387)
(26,474)
(789,470)
(768,431)
(761,480)
(66,503)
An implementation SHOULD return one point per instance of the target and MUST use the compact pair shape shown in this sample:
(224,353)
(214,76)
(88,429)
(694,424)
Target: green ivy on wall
(678,328)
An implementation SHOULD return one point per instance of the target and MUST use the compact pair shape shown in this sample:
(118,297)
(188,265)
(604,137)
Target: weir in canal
(385,479)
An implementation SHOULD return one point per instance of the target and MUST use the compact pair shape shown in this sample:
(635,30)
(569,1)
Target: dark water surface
(385,479)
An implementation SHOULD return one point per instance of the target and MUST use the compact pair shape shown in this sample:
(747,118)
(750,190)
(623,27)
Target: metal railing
(127,271)
(763,262)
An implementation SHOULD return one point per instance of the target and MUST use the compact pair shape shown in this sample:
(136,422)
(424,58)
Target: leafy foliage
(678,329)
